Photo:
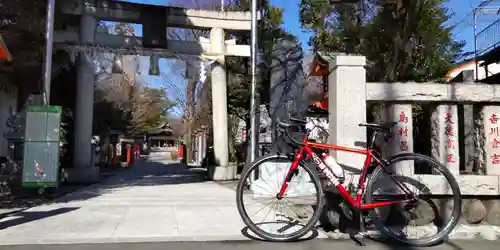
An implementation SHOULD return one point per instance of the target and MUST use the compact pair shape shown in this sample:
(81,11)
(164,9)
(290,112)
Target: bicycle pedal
(362,225)
(357,238)
(360,243)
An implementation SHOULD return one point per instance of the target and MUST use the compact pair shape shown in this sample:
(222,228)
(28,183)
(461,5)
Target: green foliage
(150,109)
(124,29)
(403,40)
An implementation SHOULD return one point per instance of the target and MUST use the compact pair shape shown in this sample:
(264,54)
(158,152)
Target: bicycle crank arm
(283,229)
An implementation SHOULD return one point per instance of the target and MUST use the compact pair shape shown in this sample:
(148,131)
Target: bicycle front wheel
(428,218)
(285,219)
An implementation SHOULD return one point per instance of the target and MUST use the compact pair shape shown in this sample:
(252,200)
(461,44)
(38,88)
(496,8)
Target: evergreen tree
(404,40)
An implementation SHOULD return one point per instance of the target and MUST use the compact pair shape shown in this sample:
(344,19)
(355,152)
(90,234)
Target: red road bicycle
(389,212)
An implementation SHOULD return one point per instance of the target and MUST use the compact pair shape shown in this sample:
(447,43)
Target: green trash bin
(41,147)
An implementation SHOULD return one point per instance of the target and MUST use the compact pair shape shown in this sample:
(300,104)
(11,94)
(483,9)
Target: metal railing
(488,38)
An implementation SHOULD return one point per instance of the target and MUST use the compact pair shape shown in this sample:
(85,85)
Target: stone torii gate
(155,20)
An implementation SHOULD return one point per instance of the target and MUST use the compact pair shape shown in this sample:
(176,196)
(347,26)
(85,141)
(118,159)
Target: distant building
(484,70)
(161,135)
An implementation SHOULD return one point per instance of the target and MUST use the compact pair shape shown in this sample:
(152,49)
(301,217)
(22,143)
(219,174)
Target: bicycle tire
(253,227)
(457,199)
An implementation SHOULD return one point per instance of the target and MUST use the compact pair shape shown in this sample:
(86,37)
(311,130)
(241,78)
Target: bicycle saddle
(379,126)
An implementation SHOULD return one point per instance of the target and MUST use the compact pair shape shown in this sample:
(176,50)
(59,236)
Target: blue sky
(459,8)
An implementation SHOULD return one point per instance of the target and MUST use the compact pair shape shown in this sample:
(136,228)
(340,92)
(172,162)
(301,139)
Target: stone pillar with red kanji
(444,140)
(403,135)
(491,120)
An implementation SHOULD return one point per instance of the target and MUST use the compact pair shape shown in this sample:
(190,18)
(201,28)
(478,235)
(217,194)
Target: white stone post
(203,144)
(403,135)
(347,107)
(491,121)
(222,169)
(83,171)
(199,138)
(445,146)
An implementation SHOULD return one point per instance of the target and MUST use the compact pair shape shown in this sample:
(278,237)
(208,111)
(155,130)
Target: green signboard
(41,146)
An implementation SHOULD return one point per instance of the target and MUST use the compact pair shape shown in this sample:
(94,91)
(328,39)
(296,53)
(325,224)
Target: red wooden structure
(319,67)
(4,51)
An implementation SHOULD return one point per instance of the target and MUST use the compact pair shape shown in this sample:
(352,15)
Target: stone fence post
(491,123)
(347,107)
(445,137)
(403,135)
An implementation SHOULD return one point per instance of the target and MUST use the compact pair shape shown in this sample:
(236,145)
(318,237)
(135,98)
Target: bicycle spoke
(412,221)
(287,218)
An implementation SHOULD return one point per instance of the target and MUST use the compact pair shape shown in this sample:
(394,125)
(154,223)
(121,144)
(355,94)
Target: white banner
(204,64)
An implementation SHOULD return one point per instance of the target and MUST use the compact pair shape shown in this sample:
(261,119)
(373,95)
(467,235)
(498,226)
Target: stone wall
(480,219)
(484,211)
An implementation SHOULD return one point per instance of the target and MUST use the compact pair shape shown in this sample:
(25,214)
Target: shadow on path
(144,173)
(29,216)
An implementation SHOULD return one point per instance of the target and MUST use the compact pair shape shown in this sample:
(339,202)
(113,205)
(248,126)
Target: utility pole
(253,129)
(49,37)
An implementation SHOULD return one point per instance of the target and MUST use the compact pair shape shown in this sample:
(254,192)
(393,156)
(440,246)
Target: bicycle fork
(291,172)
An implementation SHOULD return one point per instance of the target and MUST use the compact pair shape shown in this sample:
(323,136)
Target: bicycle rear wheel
(437,221)
(282,219)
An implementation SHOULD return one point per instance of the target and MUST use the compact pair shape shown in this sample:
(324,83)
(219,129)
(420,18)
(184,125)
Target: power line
(480,5)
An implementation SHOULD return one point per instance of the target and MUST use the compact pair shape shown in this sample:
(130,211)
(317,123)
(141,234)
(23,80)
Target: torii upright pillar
(83,170)
(221,170)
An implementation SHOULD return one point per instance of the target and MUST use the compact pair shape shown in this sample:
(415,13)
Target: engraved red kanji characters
(403,117)
(450,133)
(403,131)
(496,143)
(494,132)
(448,118)
(449,130)
(403,146)
(451,158)
(451,143)
(495,159)
(493,118)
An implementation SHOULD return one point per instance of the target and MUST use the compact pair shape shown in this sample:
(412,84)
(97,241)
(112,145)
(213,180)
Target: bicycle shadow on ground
(249,234)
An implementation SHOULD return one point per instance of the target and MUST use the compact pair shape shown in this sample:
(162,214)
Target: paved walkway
(154,201)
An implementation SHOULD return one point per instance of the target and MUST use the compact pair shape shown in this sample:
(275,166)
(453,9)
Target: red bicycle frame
(356,202)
